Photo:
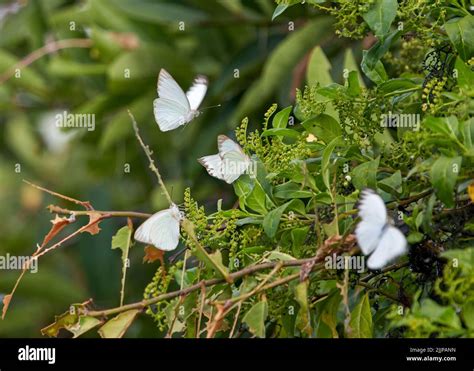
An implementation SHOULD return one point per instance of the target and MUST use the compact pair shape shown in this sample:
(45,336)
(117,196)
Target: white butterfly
(173,107)
(374,233)
(161,229)
(229,164)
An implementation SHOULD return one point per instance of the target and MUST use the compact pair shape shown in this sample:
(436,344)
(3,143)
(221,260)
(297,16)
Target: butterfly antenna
(217,105)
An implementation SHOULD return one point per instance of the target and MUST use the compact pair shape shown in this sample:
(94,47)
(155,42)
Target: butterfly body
(173,107)
(375,234)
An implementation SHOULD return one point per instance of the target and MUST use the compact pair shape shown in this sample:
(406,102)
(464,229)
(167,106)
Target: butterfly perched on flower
(229,164)
(174,107)
(161,229)
(375,234)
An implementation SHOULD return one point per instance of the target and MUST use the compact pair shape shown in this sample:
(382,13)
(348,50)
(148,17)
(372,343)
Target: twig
(234,325)
(390,268)
(379,291)
(109,213)
(86,204)
(149,153)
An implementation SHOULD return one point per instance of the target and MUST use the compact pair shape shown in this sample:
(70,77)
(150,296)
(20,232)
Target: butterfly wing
(169,89)
(392,244)
(197,91)
(160,230)
(168,114)
(213,165)
(172,108)
(234,161)
(373,214)
(372,208)
(225,144)
(234,164)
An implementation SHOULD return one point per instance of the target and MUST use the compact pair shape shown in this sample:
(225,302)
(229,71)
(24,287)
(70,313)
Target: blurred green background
(251,62)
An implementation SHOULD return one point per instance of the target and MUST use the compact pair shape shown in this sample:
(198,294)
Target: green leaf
(256,200)
(444,174)
(84,324)
(123,241)
(377,51)
(298,237)
(380,16)
(361,319)
(377,74)
(290,190)
(465,75)
(332,91)
(324,127)
(255,318)
(466,129)
(365,175)
(319,68)
(446,126)
(397,84)
(117,326)
(243,186)
(280,9)
(303,320)
(272,220)
(326,158)
(353,88)
(281,118)
(461,34)
(468,314)
(326,315)
(279,256)
(439,314)
(392,184)
(415,237)
(281,132)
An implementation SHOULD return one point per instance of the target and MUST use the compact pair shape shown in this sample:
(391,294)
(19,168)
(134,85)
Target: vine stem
(206,283)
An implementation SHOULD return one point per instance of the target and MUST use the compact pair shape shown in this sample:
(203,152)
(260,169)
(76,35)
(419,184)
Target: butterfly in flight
(229,164)
(161,229)
(375,235)
(173,107)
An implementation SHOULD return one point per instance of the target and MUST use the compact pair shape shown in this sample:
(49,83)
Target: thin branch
(109,213)
(86,204)
(149,153)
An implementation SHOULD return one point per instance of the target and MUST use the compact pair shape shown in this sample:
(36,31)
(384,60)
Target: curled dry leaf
(336,244)
(94,218)
(470,191)
(153,254)
(58,225)
(6,303)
